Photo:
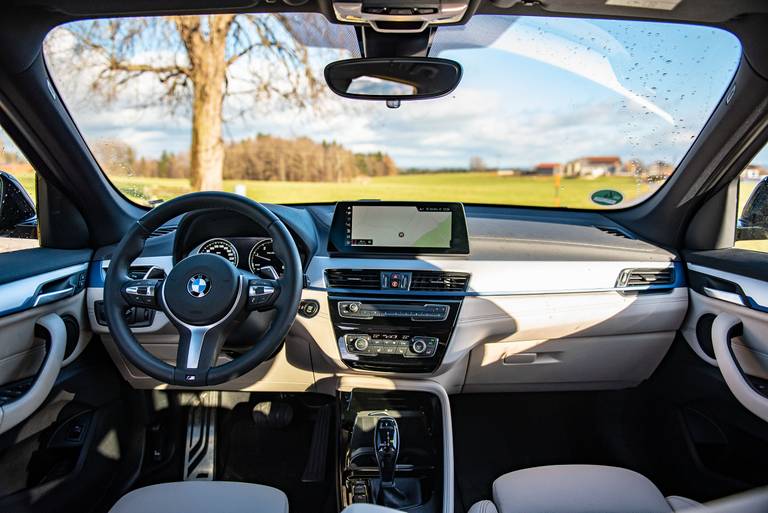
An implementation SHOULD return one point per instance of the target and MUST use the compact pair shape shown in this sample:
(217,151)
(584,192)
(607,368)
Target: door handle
(20,409)
(724,329)
(730,297)
(50,297)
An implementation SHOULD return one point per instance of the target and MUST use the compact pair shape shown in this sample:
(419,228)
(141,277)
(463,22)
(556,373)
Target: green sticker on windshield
(607,197)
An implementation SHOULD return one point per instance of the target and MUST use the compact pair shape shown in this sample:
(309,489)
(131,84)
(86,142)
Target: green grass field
(464,187)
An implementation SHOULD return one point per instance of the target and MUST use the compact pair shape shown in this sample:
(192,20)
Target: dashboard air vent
(139,272)
(439,281)
(163,230)
(365,279)
(646,277)
(616,232)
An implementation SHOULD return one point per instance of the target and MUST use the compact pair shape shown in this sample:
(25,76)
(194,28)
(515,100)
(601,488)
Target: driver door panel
(36,284)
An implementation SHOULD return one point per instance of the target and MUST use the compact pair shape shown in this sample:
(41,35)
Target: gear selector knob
(386,443)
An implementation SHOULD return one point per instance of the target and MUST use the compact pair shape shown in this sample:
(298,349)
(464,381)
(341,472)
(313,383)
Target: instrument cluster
(255,254)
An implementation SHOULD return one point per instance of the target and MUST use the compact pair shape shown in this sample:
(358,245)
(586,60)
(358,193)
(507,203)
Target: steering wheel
(204,296)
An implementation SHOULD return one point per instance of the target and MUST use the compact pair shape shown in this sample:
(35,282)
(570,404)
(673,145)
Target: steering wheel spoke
(142,293)
(198,351)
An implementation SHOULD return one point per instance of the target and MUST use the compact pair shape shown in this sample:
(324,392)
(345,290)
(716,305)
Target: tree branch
(129,67)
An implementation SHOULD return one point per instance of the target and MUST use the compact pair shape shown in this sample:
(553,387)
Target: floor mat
(275,456)
(500,433)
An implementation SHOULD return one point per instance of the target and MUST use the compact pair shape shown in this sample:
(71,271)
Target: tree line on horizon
(263,157)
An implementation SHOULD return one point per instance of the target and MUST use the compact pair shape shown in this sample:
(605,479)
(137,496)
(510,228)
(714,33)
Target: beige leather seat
(578,489)
(203,497)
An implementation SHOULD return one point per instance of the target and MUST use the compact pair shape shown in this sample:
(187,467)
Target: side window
(18,216)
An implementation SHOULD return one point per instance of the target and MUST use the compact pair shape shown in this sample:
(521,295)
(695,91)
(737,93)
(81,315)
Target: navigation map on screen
(400,226)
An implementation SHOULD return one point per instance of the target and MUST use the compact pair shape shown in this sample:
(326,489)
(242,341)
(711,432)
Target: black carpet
(275,456)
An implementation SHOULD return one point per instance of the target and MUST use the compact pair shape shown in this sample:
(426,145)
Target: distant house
(592,167)
(754,172)
(506,172)
(660,169)
(547,169)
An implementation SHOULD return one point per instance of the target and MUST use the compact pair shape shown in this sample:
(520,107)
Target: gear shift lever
(386,441)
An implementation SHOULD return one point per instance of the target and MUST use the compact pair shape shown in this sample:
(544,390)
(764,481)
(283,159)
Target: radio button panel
(366,311)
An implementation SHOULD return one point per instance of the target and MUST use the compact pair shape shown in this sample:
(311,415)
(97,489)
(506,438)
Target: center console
(391,450)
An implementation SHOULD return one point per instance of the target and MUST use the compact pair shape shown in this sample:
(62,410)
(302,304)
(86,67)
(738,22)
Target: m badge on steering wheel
(198,285)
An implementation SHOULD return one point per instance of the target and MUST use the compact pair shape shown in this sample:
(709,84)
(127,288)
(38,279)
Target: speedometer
(221,247)
(263,257)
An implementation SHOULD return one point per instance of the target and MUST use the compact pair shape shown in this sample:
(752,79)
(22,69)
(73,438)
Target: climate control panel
(407,346)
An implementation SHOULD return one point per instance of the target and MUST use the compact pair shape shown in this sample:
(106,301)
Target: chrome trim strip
(50,297)
(730,297)
(383,294)
(500,278)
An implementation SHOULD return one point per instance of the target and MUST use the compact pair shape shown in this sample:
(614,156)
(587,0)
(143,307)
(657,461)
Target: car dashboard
(544,300)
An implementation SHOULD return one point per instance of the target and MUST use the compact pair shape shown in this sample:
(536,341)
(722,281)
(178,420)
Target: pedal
(200,448)
(272,414)
(314,471)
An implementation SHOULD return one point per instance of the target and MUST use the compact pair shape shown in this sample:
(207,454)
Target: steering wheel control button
(309,308)
(261,293)
(141,293)
(199,285)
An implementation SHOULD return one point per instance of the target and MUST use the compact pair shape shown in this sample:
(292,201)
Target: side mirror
(753,222)
(18,218)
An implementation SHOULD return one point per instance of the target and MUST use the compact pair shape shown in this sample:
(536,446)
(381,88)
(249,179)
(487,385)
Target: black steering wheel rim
(131,246)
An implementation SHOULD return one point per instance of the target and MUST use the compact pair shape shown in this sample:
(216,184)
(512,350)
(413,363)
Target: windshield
(550,112)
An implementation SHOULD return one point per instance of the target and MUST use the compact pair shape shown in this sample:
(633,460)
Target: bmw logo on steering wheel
(199,285)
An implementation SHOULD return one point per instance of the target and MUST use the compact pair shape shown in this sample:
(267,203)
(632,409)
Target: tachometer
(263,256)
(221,247)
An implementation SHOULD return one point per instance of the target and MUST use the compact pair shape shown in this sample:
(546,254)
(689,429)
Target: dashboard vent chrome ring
(646,278)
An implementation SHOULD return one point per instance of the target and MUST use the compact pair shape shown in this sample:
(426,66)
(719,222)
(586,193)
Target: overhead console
(401,15)
(398,227)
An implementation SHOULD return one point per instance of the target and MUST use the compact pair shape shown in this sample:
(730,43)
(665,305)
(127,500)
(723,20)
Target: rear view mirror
(400,78)
(18,217)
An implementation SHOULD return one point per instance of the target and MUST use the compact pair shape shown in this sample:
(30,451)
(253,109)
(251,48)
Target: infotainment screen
(399,227)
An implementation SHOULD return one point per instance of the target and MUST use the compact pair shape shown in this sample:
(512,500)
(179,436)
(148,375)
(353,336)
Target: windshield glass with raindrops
(550,112)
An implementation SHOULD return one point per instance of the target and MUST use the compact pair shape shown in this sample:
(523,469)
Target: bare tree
(476,163)
(192,59)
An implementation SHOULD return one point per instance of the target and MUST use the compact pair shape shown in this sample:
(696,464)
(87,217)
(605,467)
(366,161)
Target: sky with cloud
(533,90)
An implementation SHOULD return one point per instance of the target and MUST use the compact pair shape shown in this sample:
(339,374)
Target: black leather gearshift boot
(406,494)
